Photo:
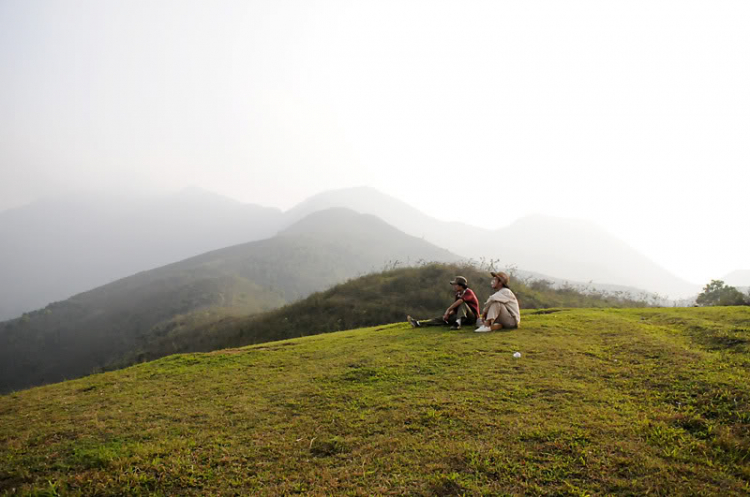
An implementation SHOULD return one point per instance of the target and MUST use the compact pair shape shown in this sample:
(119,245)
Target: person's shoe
(413,322)
(482,329)
(457,325)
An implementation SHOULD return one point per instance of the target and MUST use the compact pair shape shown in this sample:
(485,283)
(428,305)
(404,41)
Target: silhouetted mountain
(56,248)
(391,210)
(561,248)
(90,330)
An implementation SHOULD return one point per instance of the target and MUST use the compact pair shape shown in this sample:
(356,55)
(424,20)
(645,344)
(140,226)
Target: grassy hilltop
(371,300)
(623,401)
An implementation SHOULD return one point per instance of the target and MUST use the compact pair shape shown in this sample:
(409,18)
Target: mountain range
(567,249)
(56,248)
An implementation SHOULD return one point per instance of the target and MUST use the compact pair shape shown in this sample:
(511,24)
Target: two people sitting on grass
(463,311)
(501,310)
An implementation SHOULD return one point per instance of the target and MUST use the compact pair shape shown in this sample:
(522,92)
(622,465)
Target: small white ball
(517,355)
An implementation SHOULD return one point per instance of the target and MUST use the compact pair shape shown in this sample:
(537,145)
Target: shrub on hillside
(717,293)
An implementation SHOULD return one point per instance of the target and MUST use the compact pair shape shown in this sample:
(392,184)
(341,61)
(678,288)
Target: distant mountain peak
(334,219)
(538,218)
(351,197)
(197,193)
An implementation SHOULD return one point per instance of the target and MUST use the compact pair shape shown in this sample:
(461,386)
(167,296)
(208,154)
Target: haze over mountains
(738,278)
(578,250)
(570,249)
(93,329)
(56,248)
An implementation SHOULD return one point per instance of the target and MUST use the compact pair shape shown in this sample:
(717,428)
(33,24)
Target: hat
(460,280)
(503,277)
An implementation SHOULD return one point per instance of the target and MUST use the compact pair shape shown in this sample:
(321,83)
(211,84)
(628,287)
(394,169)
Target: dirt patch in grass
(276,346)
(446,488)
(546,311)
(8,483)
(327,448)
(228,352)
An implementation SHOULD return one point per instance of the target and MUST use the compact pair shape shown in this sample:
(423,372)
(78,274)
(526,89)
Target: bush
(717,293)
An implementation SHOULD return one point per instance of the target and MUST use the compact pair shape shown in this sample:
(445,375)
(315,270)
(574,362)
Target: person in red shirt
(463,310)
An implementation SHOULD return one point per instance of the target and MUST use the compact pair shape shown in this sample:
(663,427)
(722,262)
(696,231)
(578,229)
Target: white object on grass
(517,355)
(482,329)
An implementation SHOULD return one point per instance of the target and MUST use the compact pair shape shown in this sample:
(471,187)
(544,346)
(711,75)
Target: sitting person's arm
(452,308)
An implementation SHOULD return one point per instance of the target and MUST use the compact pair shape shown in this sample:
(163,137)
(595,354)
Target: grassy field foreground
(637,401)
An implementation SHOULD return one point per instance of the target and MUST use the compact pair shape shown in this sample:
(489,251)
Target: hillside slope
(91,330)
(371,300)
(636,401)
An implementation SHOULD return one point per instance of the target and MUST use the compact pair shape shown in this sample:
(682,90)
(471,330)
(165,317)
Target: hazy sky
(633,114)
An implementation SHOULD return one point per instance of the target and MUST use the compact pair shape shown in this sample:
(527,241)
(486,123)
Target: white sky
(633,114)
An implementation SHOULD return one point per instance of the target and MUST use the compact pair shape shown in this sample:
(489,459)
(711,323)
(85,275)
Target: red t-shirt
(470,298)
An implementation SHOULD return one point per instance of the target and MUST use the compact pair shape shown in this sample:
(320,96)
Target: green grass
(602,401)
(371,300)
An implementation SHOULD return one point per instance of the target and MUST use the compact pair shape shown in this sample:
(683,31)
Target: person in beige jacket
(501,310)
